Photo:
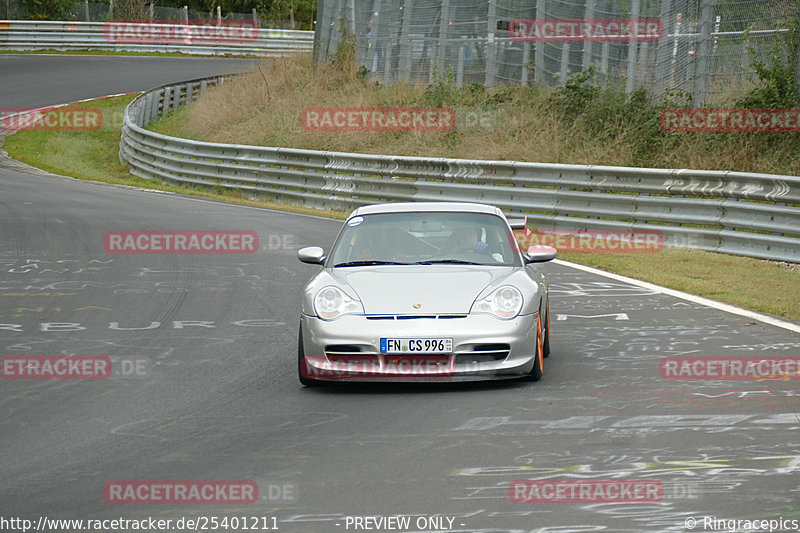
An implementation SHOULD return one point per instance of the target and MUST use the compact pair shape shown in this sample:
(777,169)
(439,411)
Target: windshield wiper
(368,262)
(446,261)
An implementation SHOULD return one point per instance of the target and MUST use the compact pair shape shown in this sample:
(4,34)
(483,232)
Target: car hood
(393,290)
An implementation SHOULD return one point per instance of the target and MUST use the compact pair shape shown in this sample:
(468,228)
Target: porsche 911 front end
(423,292)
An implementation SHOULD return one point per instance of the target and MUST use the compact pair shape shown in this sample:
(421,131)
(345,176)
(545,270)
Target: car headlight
(503,302)
(331,302)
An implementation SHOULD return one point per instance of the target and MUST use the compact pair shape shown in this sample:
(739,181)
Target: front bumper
(484,348)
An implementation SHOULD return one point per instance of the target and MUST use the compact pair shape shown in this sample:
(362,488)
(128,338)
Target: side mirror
(539,253)
(313,255)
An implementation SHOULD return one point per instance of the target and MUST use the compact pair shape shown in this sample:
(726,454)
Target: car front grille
(414,317)
(355,354)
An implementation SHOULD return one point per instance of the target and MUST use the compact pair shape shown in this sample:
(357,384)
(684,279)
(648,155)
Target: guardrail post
(177,92)
(148,112)
(166,101)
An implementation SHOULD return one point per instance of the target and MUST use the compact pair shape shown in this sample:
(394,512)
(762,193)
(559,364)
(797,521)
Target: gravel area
(789,266)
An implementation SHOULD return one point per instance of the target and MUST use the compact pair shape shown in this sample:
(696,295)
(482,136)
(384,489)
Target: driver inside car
(468,240)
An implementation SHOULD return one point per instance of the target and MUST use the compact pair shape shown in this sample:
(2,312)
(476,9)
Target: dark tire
(536,372)
(546,342)
(301,360)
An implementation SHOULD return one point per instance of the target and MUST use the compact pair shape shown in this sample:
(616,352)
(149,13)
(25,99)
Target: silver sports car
(422,292)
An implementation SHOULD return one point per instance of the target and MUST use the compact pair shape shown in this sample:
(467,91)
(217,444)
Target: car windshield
(425,238)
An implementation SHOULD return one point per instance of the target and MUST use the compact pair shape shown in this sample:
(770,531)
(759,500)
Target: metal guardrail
(755,215)
(26,35)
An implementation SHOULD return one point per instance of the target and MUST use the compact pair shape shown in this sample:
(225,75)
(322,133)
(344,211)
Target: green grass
(755,284)
(90,155)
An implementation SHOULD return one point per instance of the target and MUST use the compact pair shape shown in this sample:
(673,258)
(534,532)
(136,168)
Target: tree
(48,9)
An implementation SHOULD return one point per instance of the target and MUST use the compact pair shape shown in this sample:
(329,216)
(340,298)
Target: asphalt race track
(216,396)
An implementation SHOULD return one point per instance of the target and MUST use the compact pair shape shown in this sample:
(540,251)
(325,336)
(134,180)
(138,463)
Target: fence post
(373,55)
(538,56)
(152,10)
(564,71)
(336,30)
(491,43)
(460,64)
(86,10)
(526,57)
(185,15)
(606,51)
(702,75)
(405,43)
(444,14)
(662,50)
(110,9)
(797,41)
(322,31)
(387,63)
(633,44)
(587,44)
(350,18)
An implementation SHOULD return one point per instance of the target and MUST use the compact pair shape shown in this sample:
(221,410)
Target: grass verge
(763,286)
(580,123)
(94,156)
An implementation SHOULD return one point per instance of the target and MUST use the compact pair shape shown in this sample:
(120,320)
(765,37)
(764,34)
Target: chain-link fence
(144,10)
(699,47)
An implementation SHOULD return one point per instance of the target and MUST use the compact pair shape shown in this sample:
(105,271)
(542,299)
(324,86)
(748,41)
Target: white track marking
(766,319)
